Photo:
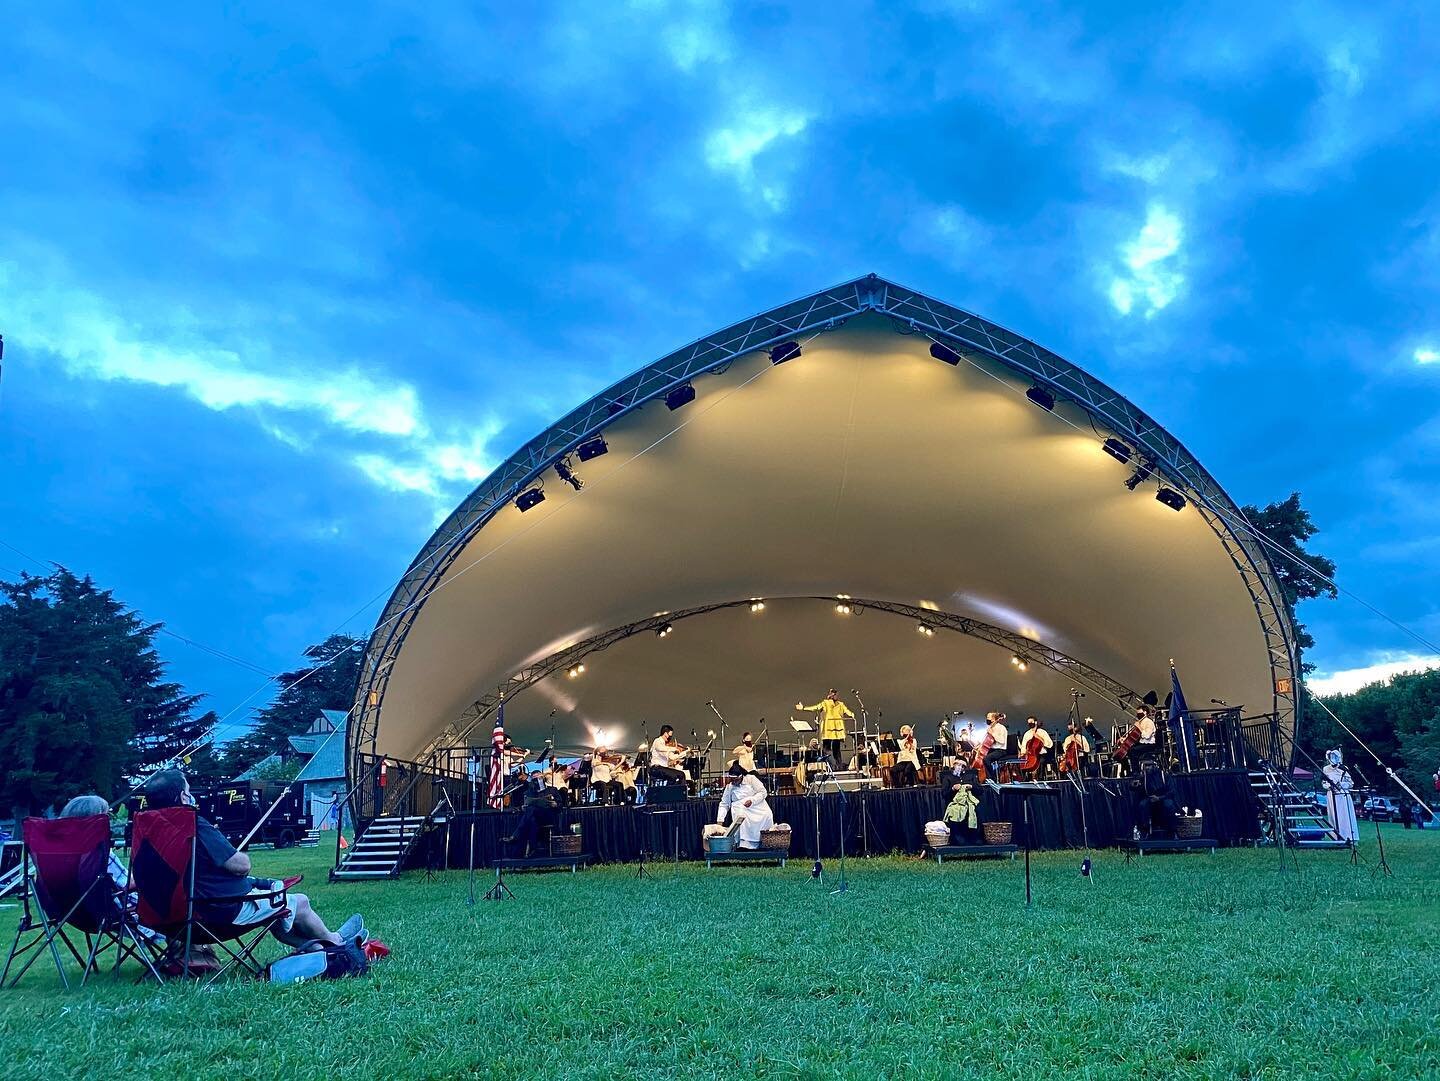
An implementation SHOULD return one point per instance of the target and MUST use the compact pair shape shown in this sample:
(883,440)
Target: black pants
(666,775)
(902,775)
(961,834)
(532,818)
(608,791)
(992,763)
(833,748)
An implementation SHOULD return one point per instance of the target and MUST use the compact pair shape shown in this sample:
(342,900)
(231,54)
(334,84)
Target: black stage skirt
(872,822)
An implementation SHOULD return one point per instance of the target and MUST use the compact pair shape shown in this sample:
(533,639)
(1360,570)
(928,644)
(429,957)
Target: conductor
(833,714)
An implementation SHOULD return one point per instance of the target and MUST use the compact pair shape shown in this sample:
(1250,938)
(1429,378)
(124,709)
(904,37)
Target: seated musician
(666,756)
(1076,748)
(556,782)
(1000,736)
(1147,749)
(1036,733)
(907,761)
(744,752)
(625,774)
(602,778)
(960,816)
(745,802)
(540,809)
(865,758)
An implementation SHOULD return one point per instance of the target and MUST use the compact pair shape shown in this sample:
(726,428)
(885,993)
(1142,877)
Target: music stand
(1027,790)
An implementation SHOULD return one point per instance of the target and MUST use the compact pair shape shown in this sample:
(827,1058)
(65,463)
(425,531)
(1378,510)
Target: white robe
(752,819)
(1339,803)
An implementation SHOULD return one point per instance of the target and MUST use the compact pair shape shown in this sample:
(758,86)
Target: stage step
(380,851)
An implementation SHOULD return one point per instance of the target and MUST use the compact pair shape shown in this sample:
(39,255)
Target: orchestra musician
(745,801)
(1000,738)
(744,752)
(540,810)
(556,778)
(833,714)
(666,758)
(1075,751)
(624,780)
(865,758)
(905,772)
(602,778)
(1146,750)
(1036,734)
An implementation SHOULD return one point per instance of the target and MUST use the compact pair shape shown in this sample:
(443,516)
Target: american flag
(497,759)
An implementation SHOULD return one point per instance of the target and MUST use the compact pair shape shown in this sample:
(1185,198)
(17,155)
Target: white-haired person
(84,807)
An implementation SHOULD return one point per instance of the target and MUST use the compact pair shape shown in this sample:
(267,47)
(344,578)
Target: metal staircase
(380,851)
(1285,806)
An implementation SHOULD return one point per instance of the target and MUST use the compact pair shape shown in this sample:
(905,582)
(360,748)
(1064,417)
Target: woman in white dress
(744,801)
(1339,803)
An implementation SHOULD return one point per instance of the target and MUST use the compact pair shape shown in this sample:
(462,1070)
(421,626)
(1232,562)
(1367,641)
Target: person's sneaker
(351,927)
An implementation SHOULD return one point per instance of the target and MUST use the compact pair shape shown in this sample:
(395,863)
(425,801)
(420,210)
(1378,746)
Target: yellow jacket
(832,721)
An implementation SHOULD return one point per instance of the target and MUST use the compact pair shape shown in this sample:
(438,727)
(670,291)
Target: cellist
(1075,751)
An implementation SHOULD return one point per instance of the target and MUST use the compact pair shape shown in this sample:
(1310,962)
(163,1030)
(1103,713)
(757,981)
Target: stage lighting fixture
(1022,664)
(681,395)
(925,629)
(941,351)
(784,351)
(757,606)
(1140,476)
(575,671)
(843,608)
(527,499)
(591,449)
(1041,397)
(664,630)
(1171,498)
(563,471)
(1117,450)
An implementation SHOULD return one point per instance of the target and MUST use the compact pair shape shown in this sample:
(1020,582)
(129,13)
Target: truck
(234,808)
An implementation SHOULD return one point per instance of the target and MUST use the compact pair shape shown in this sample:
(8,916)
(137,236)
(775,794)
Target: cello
(1030,762)
(977,756)
(1070,760)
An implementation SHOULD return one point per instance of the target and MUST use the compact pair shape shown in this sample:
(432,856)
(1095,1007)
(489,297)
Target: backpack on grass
(330,962)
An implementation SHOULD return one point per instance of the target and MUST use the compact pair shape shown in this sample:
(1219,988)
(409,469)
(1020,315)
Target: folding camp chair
(162,870)
(68,886)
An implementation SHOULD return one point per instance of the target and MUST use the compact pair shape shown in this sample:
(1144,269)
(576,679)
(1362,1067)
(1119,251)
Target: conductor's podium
(973,851)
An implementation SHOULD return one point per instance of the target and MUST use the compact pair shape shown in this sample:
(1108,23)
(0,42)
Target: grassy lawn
(1168,966)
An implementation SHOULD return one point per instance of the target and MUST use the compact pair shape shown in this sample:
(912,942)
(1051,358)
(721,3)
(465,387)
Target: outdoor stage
(896,819)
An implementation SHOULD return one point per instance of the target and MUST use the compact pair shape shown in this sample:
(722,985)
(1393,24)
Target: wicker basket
(937,840)
(565,844)
(1187,828)
(997,833)
(775,840)
(719,845)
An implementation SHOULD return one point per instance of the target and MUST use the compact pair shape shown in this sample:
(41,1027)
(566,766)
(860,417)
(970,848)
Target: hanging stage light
(925,629)
(843,608)
(664,630)
(681,395)
(527,499)
(757,605)
(784,351)
(1117,450)
(941,351)
(591,449)
(1140,476)
(575,671)
(1171,498)
(563,471)
(1041,397)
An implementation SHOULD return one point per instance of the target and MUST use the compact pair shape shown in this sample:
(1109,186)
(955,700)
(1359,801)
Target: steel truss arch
(975,338)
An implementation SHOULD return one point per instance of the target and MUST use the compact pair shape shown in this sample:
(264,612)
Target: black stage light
(1041,397)
(784,351)
(564,472)
(1171,498)
(528,499)
(941,351)
(591,448)
(681,395)
(664,630)
(1117,450)
(1141,474)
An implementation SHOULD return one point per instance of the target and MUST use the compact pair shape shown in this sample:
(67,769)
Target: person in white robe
(1339,803)
(745,802)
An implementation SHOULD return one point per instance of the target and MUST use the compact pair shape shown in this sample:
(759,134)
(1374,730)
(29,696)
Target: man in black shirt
(222,874)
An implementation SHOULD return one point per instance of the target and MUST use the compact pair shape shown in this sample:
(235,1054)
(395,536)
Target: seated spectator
(84,807)
(223,872)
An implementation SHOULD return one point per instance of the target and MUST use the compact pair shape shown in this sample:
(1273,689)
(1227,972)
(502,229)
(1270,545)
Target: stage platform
(972,852)
(875,822)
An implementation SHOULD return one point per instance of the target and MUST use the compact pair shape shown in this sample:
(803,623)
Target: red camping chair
(162,869)
(68,876)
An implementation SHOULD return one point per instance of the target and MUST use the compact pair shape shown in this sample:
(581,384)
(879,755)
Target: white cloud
(1153,276)
(1347,680)
(1426,355)
(443,470)
(734,148)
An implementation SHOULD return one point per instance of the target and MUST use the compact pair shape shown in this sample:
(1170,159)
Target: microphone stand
(724,745)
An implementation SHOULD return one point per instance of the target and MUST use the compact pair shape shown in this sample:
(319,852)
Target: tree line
(85,705)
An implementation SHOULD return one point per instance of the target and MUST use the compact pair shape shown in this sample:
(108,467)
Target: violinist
(907,762)
(624,784)
(602,778)
(744,752)
(666,757)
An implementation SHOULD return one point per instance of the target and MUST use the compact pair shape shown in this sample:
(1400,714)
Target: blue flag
(1182,731)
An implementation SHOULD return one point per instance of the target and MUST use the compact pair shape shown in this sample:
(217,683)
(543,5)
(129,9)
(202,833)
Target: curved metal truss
(1018,645)
(975,338)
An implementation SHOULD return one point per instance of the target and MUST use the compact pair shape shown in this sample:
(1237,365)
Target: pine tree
(83,700)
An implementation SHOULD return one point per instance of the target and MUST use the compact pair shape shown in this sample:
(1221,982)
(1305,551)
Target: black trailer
(234,809)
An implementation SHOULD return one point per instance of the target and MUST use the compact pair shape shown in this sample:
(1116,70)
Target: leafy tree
(328,682)
(1400,719)
(83,699)
(1288,526)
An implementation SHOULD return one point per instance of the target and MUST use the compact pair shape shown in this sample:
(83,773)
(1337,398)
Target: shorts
(263,903)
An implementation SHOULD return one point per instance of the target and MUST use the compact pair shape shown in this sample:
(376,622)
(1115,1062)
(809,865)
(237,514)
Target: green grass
(1169,966)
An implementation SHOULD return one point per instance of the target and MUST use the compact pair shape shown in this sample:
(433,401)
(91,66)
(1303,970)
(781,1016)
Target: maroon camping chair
(68,891)
(162,870)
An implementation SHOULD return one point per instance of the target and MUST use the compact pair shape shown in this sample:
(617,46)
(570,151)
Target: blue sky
(278,288)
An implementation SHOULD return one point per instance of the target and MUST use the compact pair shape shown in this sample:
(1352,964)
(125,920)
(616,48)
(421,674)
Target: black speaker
(665,793)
